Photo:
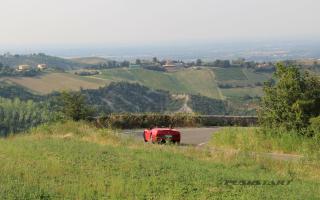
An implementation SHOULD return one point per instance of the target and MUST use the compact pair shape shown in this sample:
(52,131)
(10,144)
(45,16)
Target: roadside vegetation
(255,140)
(73,160)
(289,118)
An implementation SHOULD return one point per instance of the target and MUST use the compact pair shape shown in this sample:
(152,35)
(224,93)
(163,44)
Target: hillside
(50,82)
(123,97)
(12,91)
(76,161)
(217,83)
(34,59)
(90,60)
(187,81)
(126,97)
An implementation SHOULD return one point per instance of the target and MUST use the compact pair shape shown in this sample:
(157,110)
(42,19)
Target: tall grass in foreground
(253,139)
(74,160)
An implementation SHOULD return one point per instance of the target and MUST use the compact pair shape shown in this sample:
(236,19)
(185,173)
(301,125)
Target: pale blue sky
(26,22)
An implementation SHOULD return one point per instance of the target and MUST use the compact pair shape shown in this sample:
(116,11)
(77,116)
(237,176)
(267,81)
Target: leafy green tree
(199,62)
(74,106)
(17,116)
(291,101)
(138,62)
(155,60)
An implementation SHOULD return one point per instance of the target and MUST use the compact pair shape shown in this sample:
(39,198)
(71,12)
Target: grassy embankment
(76,161)
(255,140)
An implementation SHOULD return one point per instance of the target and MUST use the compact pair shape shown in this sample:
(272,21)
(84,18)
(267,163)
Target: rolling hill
(90,60)
(51,82)
(204,85)
(34,59)
(189,81)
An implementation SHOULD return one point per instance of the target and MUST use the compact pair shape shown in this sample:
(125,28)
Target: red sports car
(162,135)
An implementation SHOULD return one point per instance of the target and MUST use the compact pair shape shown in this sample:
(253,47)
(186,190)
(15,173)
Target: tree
(221,63)
(199,62)
(125,64)
(17,116)
(155,60)
(292,101)
(138,62)
(74,106)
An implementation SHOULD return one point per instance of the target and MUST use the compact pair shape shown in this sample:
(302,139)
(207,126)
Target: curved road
(201,136)
(189,136)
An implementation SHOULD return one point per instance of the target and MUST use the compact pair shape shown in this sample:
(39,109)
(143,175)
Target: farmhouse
(42,66)
(173,66)
(23,67)
(169,64)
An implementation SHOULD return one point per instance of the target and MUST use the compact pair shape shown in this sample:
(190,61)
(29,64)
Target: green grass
(240,92)
(241,79)
(184,81)
(76,161)
(187,81)
(227,74)
(51,82)
(253,139)
(255,77)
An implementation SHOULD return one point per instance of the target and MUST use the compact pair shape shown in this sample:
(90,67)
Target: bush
(291,101)
(75,106)
(17,116)
(128,121)
(315,126)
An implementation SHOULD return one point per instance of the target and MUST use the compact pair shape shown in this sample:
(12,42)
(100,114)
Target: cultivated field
(185,81)
(90,60)
(56,82)
(240,92)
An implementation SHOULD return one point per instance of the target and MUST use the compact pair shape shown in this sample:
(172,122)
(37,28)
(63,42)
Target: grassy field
(227,74)
(56,82)
(76,161)
(188,81)
(253,139)
(254,77)
(240,92)
(184,81)
(90,60)
(240,76)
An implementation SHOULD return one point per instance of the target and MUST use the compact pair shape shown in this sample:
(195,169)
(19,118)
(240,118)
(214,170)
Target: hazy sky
(26,22)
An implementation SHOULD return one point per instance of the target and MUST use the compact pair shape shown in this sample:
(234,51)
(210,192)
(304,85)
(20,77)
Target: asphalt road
(189,136)
(201,136)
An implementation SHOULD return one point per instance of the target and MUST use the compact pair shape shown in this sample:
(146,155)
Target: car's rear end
(166,136)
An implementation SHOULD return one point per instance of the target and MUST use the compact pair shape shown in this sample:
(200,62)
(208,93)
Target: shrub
(291,101)
(126,121)
(74,106)
(315,126)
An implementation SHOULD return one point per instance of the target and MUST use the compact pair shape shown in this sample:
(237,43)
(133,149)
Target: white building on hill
(23,67)
(42,66)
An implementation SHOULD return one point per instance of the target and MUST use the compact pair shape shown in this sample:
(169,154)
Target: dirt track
(190,136)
